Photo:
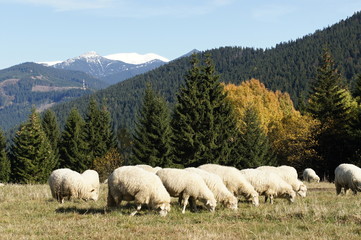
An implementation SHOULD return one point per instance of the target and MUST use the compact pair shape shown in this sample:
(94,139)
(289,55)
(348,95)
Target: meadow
(29,212)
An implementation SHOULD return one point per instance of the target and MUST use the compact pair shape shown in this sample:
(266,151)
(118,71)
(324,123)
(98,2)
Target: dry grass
(28,212)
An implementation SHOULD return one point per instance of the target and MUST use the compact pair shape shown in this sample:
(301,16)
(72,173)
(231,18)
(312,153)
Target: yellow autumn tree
(290,132)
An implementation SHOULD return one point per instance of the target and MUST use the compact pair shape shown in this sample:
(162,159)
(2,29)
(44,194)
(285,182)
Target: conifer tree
(329,103)
(203,122)
(152,137)
(73,148)
(31,154)
(52,131)
(255,147)
(98,133)
(5,165)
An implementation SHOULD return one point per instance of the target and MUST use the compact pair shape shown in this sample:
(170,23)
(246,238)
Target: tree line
(211,122)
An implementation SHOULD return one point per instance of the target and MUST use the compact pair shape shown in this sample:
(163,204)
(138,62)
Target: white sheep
(65,182)
(148,168)
(234,181)
(269,184)
(131,183)
(187,186)
(289,175)
(347,176)
(216,185)
(310,175)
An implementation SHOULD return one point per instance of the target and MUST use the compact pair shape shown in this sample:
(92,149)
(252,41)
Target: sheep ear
(208,202)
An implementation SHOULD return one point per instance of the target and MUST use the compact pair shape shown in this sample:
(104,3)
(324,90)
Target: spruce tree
(52,131)
(152,137)
(254,144)
(5,165)
(329,104)
(31,154)
(203,122)
(98,131)
(73,148)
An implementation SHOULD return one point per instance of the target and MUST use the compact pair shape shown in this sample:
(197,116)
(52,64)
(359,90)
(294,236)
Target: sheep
(65,182)
(131,183)
(269,184)
(347,176)
(216,185)
(187,186)
(234,181)
(148,168)
(289,175)
(310,175)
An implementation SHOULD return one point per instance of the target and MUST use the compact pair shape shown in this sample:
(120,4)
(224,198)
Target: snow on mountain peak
(90,54)
(135,58)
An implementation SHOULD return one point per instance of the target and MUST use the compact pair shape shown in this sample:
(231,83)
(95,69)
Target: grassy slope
(28,212)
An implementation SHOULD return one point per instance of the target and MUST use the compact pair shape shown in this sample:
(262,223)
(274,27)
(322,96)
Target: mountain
(29,84)
(290,66)
(113,68)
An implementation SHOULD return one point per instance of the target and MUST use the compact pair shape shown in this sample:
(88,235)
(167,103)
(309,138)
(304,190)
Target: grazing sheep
(310,175)
(148,168)
(216,185)
(289,175)
(234,181)
(65,182)
(131,183)
(269,184)
(187,186)
(347,176)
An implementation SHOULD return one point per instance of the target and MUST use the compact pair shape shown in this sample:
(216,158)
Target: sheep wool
(148,168)
(347,176)
(187,186)
(65,182)
(289,175)
(234,181)
(269,184)
(310,175)
(216,185)
(131,183)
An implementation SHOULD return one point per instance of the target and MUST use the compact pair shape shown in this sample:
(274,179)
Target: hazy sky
(49,30)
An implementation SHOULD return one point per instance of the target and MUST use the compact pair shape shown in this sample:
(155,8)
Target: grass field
(29,212)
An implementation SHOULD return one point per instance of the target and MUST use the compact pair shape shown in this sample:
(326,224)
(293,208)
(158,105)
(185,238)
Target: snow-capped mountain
(136,58)
(112,68)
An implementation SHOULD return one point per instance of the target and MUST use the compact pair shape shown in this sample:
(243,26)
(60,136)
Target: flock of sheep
(210,184)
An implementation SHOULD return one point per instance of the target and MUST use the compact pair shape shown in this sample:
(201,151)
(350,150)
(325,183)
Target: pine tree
(52,131)
(5,165)
(329,103)
(32,156)
(254,143)
(73,148)
(152,137)
(203,122)
(98,133)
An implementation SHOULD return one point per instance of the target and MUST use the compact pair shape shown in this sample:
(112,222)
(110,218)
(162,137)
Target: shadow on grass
(82,211)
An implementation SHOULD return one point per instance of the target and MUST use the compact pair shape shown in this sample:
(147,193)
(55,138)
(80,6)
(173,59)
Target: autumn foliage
(290,132)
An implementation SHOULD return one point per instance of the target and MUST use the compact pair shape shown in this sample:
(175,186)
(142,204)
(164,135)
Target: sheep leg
(192,203)
(139,206)
(111,201)
(271,199)
(185,202)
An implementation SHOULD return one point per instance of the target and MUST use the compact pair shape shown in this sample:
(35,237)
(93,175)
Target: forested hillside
(30,85)
(290,66)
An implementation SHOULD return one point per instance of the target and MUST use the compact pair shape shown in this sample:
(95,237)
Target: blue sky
(49,30)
